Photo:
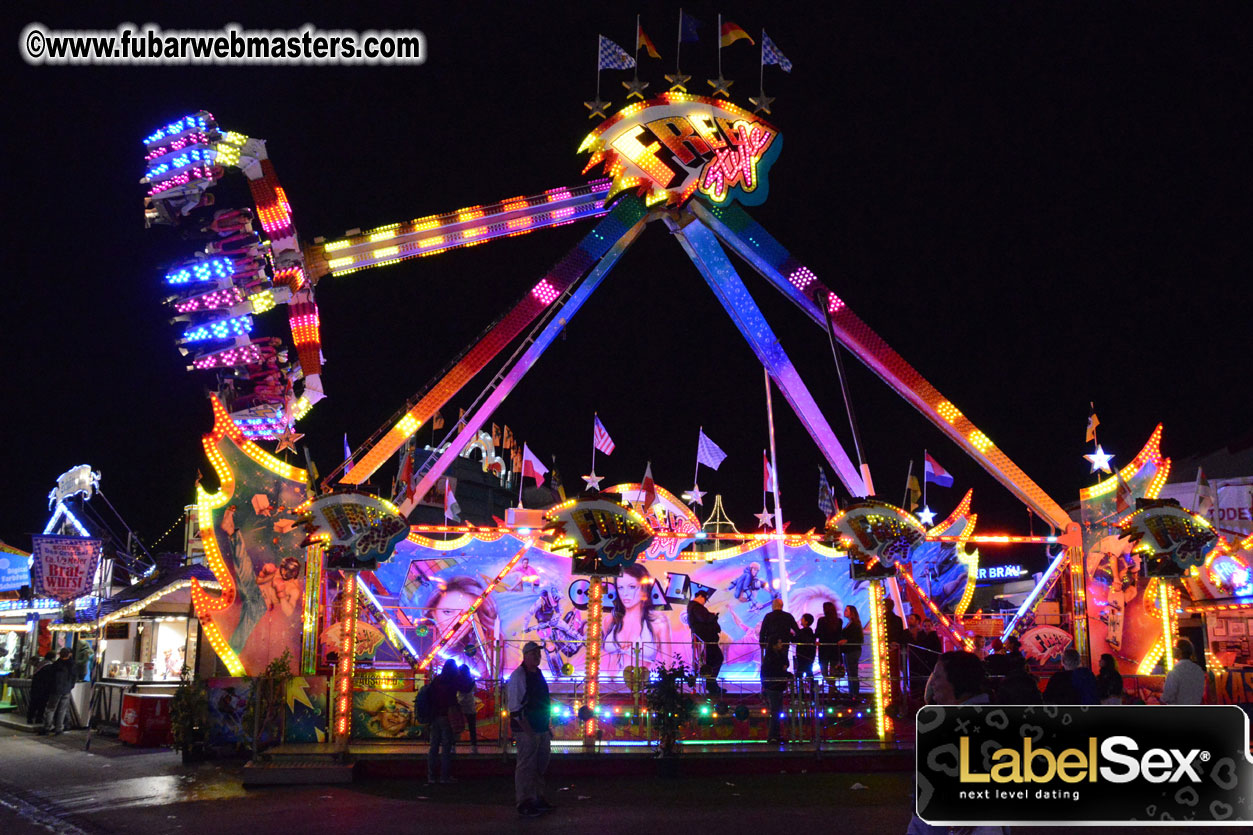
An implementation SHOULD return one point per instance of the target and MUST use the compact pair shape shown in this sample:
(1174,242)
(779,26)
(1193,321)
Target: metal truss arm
(706,253)
(504,383)
(625,214)
(796,281)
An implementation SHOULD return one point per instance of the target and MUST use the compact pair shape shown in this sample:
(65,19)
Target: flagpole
(678,46)
(718,35)
(696,475)
(924,477)
(637,46)
(761,80)
(778,499)
(593,443)
(598,37)
(908,476)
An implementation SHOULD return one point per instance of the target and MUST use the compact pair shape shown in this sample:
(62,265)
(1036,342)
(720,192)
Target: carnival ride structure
(687,162)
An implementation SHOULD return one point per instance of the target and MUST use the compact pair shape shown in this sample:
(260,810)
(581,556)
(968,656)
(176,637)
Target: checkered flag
(707,452)
(613,57)
(770,53)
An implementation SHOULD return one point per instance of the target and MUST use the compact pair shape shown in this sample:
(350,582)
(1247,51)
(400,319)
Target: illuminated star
(764,519)
(722,86)
(927,517)
(1099,460)
(677,81)
(287,439)
(597,107)
(695,495)
(593,480)
(635,87)
(761,104)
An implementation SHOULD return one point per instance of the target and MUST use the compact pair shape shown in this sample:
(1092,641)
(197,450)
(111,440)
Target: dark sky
(1036,205)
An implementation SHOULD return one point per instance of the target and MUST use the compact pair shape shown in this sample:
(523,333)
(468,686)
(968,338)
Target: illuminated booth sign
(675,145)
(64,566)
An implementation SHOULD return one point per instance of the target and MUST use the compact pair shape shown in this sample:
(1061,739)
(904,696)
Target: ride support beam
(754,244)
(707,255)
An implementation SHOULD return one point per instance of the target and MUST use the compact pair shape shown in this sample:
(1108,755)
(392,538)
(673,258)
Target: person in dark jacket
(805,649)
(443,700)
(851,640)
(59,695)
(1109,687)
(1018,687)
(40,689)
(705,629)
(774,681)
(777,624)
(827,633)
(1013,651)
(1072,685)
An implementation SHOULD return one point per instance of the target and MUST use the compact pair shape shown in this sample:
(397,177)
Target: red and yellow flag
(732,33)
(642,40)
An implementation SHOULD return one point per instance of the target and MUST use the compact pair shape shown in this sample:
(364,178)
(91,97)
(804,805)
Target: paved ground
(51,785)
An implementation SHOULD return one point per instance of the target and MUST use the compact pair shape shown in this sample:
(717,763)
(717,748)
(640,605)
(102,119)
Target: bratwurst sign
(64,566)
(672,146)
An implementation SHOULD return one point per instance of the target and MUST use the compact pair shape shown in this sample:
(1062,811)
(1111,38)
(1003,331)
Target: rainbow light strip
(595,617)
(738,230)
(594,246)
(465,227)
(879,659)
(207,605)
(347,662)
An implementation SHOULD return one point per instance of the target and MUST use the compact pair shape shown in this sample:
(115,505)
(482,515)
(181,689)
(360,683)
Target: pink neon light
(801,278)
(560,194)
(544,292)
(834,303)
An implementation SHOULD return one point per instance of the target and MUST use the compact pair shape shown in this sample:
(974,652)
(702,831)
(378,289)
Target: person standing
(1018,687)
(774,681)
(62,685)
(1071,685)
(1109,686)
(777,623)
(805,649)
(1185,683)
(827,633)
(705,629)
(443,700)
(466,703)
(40,689)
(528,702)
(851,640)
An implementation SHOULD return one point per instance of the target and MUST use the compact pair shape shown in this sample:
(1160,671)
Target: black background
(1037,205)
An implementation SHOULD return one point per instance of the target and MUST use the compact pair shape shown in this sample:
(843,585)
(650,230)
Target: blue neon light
(192,122)
(207,270)
(220,329)
(192,156)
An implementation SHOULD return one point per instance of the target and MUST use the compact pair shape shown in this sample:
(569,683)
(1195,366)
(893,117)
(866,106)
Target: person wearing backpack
(529,704)
(441,700)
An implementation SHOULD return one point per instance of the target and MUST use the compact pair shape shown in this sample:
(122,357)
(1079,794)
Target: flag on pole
(1203,505)
(557,485)
(515,458)
(707,452)
(826,500)
(649,487)
(612,56)
(732,33)
(508,439)
(348,465)
(437,422)
(914,489)
(1093,422)
(642,40)
(770,53)
(452,510)
(936,474)
(531,465)
(767,475)
(688,28)
(600,436)
(405,475)
(496,436)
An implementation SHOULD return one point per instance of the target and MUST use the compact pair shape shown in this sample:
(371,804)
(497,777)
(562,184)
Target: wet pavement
(52,785)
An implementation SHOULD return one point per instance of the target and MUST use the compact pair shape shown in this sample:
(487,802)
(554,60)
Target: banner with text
(65,566)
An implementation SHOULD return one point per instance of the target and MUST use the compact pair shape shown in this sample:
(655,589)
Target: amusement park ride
(692,165)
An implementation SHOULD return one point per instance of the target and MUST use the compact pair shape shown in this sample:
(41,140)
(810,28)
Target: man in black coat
(59,697)
(40,689)
(705,628)
(777,624)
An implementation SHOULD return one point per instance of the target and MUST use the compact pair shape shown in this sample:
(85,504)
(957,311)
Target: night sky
(1036,205)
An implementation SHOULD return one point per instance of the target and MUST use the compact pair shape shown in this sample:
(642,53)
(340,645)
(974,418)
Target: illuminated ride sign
(675,145)
(877,536)
(1168,538)
(602,535)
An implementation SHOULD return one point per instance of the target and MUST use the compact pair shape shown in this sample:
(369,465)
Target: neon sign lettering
(736,165)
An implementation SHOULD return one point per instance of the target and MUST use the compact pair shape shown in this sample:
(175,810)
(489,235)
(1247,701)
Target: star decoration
(593,480)
(927,517)
(1099,460)
(761,104)
(598,108)
(722,86)
(764,519)
(677,81)
(695,495)
(287,439)
(635,87)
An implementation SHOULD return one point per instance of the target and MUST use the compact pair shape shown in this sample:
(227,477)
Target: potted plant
(668,698)
(189,717)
